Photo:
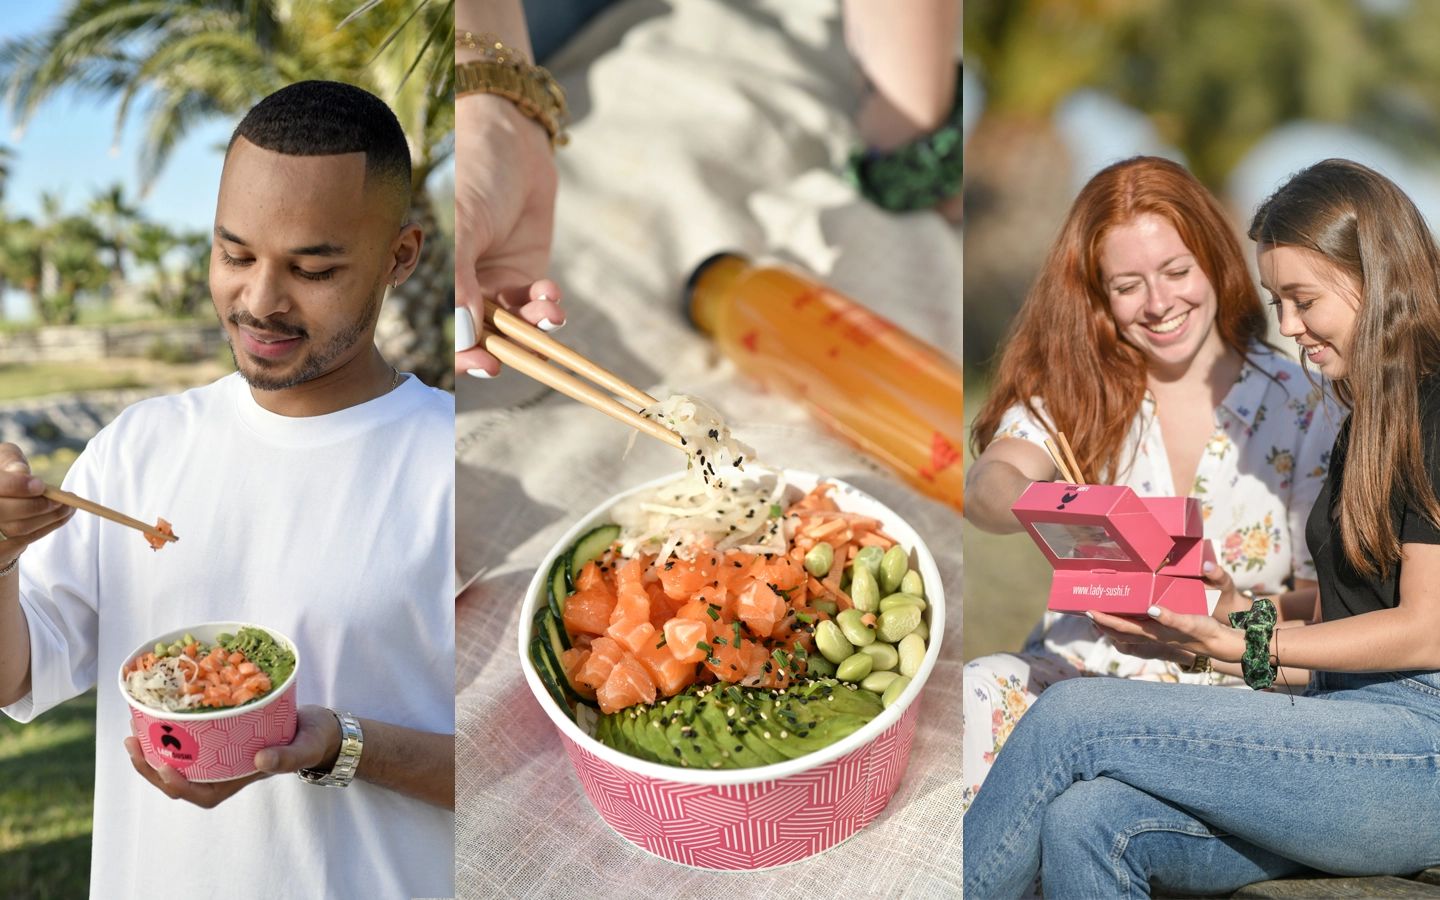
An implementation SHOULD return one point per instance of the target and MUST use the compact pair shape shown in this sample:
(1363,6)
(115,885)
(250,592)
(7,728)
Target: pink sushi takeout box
(1116,552)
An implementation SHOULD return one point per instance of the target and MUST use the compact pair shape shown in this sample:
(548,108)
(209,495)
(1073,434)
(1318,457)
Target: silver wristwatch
(343,772)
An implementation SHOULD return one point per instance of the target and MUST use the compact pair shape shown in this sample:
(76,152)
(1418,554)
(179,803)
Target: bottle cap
(692,296)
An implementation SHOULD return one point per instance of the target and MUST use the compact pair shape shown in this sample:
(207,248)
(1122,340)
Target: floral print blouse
(1257,480)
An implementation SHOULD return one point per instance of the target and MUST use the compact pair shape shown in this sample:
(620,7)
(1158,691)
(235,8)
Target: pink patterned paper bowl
(757,818)
(218,745)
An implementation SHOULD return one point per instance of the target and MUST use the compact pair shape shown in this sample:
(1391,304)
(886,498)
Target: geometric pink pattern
(756,825)
(222,748)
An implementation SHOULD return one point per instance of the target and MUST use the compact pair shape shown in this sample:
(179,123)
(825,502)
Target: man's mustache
(271,326)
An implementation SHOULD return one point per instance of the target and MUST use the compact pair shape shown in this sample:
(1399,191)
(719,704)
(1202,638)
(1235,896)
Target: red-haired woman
(1143,341)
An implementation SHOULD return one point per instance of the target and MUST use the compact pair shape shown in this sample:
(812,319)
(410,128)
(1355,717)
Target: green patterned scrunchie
(917,175)
(1259,624)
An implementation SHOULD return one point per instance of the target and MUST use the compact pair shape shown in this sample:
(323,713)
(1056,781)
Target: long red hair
(1064,348)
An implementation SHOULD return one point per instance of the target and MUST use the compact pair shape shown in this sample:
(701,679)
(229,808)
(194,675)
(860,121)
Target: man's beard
(317,361)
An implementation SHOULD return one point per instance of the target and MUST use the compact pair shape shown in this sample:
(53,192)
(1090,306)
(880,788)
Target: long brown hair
(1366,227)
(1065,349)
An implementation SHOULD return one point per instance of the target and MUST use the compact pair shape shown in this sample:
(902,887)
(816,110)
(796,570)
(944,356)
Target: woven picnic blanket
(701,125)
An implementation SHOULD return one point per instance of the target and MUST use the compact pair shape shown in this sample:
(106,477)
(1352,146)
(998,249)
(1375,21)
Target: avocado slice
(734,753)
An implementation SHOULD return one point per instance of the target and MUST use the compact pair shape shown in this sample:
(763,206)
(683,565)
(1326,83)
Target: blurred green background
(1244,92)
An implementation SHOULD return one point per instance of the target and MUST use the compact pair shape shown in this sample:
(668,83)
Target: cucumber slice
(549,676)
(562,640)
(549,630)
(589,547)
(555,590)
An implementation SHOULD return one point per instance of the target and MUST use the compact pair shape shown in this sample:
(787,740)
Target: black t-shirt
(1344,591)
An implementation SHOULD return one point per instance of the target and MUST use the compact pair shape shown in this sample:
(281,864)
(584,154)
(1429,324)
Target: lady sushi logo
(1067,497)
(173,744)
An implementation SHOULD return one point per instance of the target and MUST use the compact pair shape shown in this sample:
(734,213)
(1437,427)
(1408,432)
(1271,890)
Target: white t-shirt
(335,530)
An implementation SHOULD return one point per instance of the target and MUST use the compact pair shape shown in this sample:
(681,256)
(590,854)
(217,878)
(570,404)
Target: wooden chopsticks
(1070,473)
(54,493)
(529,337)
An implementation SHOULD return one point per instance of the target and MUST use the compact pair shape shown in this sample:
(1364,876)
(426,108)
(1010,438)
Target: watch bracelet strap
(351,742)
(530,88)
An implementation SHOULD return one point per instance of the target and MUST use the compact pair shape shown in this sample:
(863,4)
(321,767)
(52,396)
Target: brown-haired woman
(1142,340)
(1123,787)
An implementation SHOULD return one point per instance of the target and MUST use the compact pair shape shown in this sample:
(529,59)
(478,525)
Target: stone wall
(43,425)
(68,343)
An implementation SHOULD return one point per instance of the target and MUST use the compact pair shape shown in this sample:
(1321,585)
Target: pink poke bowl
(767,815)
(216,744)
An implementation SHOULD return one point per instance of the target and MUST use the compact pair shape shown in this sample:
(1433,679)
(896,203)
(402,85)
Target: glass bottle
(887,392)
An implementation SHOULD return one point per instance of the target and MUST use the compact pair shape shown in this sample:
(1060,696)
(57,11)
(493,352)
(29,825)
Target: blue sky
(67,149)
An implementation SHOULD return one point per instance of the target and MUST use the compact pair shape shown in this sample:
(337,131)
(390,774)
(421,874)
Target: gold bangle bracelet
(504,71)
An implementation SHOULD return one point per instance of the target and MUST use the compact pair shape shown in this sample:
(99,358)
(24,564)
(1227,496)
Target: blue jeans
(1120,787)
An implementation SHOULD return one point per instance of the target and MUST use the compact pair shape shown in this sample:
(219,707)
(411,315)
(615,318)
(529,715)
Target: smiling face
(302,252)
(1317,303)
(1162,301)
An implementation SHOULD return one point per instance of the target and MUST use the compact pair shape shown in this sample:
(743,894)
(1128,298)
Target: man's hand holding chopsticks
(25,516)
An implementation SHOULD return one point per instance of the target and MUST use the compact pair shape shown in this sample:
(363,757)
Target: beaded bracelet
(1259,624)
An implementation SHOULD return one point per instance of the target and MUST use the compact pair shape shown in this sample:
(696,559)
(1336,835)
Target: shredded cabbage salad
(162,685)
(709,504)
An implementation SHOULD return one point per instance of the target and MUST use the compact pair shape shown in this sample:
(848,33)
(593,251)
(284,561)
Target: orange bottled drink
(889,393)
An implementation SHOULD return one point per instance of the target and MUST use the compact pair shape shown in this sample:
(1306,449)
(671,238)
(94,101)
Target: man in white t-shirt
(312,493)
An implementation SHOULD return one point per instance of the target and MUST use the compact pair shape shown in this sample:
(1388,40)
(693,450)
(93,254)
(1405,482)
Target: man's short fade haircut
(326,118)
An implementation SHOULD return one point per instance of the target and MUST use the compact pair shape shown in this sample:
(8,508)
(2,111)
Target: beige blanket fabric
(701,126)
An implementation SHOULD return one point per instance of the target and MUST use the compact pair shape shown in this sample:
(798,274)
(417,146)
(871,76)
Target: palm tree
(116,218)
(183,62)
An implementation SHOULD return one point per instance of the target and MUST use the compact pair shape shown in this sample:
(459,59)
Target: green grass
(1007,578)
(47,791)
(19,380)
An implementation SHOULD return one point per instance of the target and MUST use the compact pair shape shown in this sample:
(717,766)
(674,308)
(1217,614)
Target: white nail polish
(479,373)
(1153,611)
(464,329)
(1208,567)
(548,326)
(1089,615)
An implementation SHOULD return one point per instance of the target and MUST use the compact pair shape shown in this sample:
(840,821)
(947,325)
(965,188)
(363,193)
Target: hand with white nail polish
(1171,636)
(505,185)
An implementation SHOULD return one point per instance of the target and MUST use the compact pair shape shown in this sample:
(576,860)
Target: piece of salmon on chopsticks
(158,536)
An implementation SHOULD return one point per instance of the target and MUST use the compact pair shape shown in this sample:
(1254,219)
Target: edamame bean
(894,600)
(819,560)
(831,642)
(912,653)
(912,583)
(855,668)
(854,630)
(826,606)
(894,690)
(923,629)
(886,656)
(870,557)
(864,592)
(893,566)
(160,651)
(898,622)
(878,681)
(189,639)
(817,666)
(222,638)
